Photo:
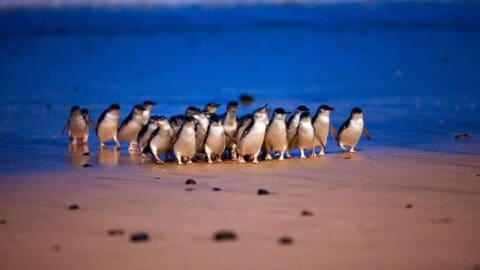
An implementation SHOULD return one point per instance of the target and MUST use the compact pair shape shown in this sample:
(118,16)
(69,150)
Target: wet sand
(382,208)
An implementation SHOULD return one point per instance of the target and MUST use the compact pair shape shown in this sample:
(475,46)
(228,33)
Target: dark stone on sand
(189,189)
(87,165)
(225,235)
(57,248)
(157,178)
(478,174)
(463,137)
(246,99)
(86,154)
(285,240)
(190,181)
(139,237)
(216,189)
(444,220)
(115,232)
(3,221)
(476,267)
(262,191)
(74,207)
(408,206)
(307,213)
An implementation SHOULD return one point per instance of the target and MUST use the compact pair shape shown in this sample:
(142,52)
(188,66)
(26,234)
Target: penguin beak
(264,108)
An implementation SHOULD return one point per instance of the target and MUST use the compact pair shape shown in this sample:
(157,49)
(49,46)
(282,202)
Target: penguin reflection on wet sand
(276,135)
(78,125)
(292,126)
(161,140)
(146,132)
(251,141)
(305,137)
(107,125)
(350,132)
(184,146)
(131,126)
(215,140)
(321,125)
(230,125)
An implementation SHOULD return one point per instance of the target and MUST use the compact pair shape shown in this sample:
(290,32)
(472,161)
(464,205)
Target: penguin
(276,135)
(215,139)
(321,125)
(244,122)
(211,108)
(78,126)
(230,125)
(146,132)
(107,126)
(185,143)
(201,128)
(292,126)
(161,140)
(176,122)
(131,126)
(351,131)
(252,138)
(305,136)
(148,105)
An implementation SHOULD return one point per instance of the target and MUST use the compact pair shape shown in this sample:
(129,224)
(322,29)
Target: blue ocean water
(413,67)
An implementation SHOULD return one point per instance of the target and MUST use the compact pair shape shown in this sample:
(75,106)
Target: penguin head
(84,112)
(176,120)
(305,116)
(191,111)
(301,109)
(246,118)
(162,121)
(115,108)
(212,107)
(324,110)
(232,106)
(153,119)
(189,121)
(356,113)
(138,109)
(215,120)
(75,111)
(148,105)
(261,114)
(280,113)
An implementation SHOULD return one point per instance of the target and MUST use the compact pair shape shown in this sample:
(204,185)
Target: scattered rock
(189,189)
(478,174)
(139,237)
(408,206)
(307,213)
(262,191)
(157,178)
(246,99)
(87,165)
(57,248)
(86,154)
(3,221)
(476,267)
(115,232)
(285,240)
(190,181)
(225,235)
(74,207)
(463,137)
(444,220)
(216,189)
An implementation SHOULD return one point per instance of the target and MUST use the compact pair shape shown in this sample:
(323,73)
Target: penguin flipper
(366,133)
(322,143)
(334,133)
(125,122)
(247,130)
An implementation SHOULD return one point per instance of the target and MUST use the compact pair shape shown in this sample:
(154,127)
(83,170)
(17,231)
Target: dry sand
(360,219)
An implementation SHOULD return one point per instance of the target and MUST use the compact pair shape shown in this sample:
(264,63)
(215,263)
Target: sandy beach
(377,209)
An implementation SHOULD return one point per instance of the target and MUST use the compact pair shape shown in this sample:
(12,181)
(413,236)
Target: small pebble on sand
(74,207)
(139,237)
(190,181)
(115,232)
(285,240)
(157,178)
(307,213)
(189,189)
(408,206)
(3,221)
(476,267)
(262,191)
(216,189)
(225,235)
(87,165)
(57,248)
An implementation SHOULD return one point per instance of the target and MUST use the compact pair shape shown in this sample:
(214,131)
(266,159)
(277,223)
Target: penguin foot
(255,162)
(189,161)
(210,162)
(321,153)
(268,157)
(159,161)
(219,160)
(241,160)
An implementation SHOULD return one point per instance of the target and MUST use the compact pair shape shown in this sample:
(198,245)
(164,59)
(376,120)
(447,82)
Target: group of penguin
(203,134)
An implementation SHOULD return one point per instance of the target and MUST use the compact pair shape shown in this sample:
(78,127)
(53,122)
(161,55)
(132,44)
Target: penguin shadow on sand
(79,154)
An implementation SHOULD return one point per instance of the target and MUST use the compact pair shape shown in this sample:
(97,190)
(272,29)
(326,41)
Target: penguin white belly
(231,130)
(306,136)
(107,129)
(145,117)
(276,136)
(78,127)
(162,142)
(185,143)
(321,127)
(252,142)
(130,131)
(351,135)
(200,135)
(216,140)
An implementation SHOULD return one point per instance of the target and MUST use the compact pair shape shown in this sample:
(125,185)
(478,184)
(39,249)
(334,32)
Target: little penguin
(215,139)
(244,122)
(292,126)
(253,136)
(78,125)
(148,105)
(161,140)
(305,137)
(107,126)
(230,125)
(185,143)
(351,131)
(276,135)
(201,128)
(131,126)
(321,125)
(146,132)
